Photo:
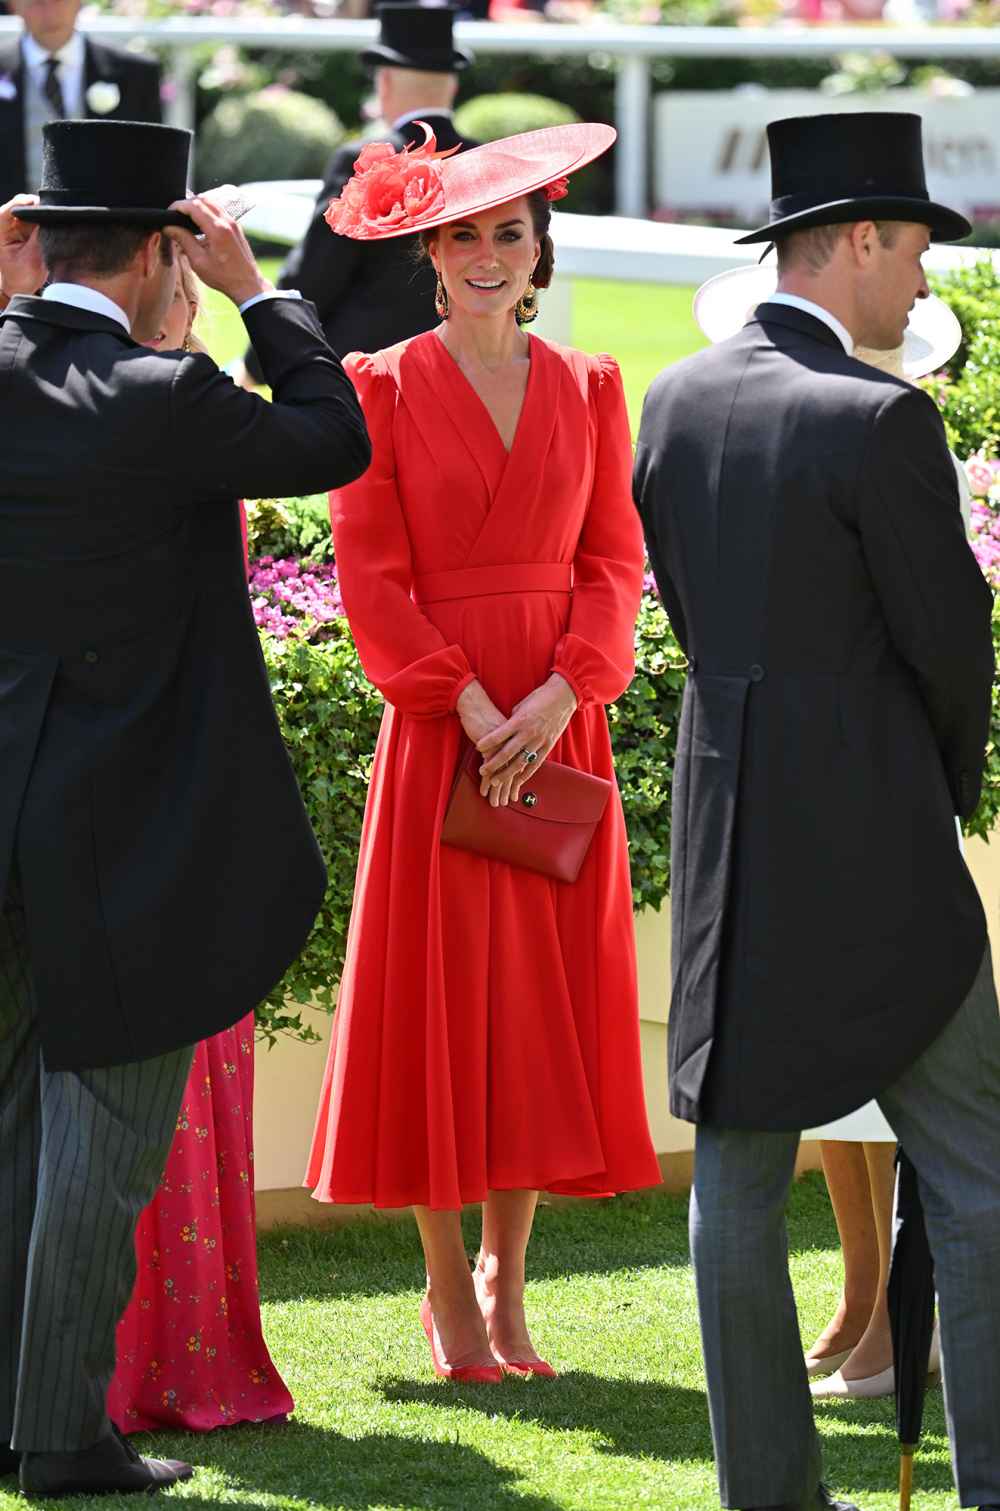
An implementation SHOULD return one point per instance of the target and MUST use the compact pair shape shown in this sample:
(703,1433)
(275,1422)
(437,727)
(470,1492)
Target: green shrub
(330,716)
(276,133)
(488,117)
(282,527)
(969,395)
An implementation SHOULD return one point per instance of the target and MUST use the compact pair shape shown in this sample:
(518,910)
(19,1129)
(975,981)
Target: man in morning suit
(829,945)
(51,72)
(157,870)
(372,294)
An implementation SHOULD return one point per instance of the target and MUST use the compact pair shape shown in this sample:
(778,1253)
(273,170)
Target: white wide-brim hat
(724,304)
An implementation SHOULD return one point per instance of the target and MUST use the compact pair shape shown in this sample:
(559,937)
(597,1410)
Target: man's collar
(420,115)
(71,52)
(818,312)
(83,298)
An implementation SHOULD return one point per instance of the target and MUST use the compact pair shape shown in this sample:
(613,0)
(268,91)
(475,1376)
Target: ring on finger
(529,757)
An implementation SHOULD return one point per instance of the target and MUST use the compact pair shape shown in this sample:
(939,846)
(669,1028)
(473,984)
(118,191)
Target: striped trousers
(81,1154)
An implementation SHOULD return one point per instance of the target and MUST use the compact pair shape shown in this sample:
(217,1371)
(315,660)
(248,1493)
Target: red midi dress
(487,1033)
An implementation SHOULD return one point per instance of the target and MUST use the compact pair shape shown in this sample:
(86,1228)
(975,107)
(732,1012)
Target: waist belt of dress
(483,582)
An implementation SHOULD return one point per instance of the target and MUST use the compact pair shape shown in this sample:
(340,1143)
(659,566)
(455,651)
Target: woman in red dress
(486,1043)
(191,1353)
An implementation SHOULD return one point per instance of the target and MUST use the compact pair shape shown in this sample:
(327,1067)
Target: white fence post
(182,83)
(632,150)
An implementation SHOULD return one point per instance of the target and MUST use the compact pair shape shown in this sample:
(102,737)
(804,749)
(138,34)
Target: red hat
(397,193)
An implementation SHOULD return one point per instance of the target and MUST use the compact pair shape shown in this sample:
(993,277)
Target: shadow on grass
(309,1466)
(632,1417)
(869,1460)
(641,1418)
(383,1256)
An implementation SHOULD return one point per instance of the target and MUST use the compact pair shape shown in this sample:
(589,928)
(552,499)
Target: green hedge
(274,133)
(330,714)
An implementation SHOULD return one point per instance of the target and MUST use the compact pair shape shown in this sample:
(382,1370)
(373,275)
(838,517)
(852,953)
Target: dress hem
(551,1188)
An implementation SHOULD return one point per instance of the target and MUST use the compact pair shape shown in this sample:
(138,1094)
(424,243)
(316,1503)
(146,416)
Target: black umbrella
(911,1317)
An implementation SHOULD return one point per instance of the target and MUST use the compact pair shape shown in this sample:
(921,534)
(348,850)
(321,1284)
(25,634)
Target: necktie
(52,88)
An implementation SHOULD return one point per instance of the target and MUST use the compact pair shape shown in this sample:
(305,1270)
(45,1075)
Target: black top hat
(123,171)
(416,36)
(830,169)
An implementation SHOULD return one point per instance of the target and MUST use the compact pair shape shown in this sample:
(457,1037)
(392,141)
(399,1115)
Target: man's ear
(150,253)
(863,239)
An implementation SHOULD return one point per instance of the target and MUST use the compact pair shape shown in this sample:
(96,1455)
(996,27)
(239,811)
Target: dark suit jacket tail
(802,518)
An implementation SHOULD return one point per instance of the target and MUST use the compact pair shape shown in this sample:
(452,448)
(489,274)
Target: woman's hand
(532,730)
(477,711)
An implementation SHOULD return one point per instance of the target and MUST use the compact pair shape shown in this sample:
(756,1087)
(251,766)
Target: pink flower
(390,189)
(982,474)
(288,602)
(373,154)
(558,189)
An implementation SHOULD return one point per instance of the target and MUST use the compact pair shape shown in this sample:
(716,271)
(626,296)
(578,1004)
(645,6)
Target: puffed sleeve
(406,658)
(597,654)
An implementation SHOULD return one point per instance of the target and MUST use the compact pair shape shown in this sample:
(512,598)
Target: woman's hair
(540,208)
(191,289)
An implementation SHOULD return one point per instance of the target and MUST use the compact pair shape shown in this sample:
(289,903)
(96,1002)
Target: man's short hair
(814,248)
(91,250)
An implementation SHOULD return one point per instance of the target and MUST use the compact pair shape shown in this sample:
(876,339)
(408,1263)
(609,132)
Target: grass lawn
(644,325)
(612,1304)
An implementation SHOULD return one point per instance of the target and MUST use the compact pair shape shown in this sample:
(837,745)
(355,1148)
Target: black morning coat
(802,520)
(138,81)
(168,869)
(370,295)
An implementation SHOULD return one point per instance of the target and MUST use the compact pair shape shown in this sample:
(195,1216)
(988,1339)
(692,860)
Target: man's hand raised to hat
(22,270)
(219,254)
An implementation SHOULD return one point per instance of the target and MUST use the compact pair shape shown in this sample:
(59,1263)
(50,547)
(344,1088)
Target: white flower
(103,96)
(8,89)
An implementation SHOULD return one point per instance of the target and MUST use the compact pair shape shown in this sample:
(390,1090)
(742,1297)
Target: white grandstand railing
(633,48)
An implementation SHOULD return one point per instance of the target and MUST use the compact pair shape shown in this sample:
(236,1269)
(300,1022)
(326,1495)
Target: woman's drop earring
(441,300)
(526,308)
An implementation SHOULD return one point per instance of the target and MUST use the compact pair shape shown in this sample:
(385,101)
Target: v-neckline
(508,451)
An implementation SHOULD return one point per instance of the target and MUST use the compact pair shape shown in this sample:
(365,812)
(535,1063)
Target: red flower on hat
(558,189)
(390,188)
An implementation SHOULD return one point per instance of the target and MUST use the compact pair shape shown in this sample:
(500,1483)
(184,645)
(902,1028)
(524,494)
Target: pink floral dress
(191,1353)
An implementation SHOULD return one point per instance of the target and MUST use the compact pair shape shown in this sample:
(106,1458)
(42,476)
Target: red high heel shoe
(543,1370)
(464,1374)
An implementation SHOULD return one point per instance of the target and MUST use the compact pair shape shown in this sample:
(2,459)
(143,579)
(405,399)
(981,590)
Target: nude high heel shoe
(874,1387)
(828,1366)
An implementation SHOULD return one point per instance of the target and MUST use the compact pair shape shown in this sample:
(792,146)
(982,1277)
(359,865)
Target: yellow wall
(288,1077)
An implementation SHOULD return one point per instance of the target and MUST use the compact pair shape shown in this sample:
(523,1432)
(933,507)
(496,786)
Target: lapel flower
(390,188)
(558,189)
(103,96)
(8,89)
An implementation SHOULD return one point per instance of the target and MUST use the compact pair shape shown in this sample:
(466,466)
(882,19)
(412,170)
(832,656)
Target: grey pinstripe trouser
(945,1109)
(81,1154)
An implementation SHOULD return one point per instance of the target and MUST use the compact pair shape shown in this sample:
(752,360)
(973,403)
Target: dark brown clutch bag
(549,829)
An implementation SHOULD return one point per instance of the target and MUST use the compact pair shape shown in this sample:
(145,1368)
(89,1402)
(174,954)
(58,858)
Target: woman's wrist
(560,685)
(469,697)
